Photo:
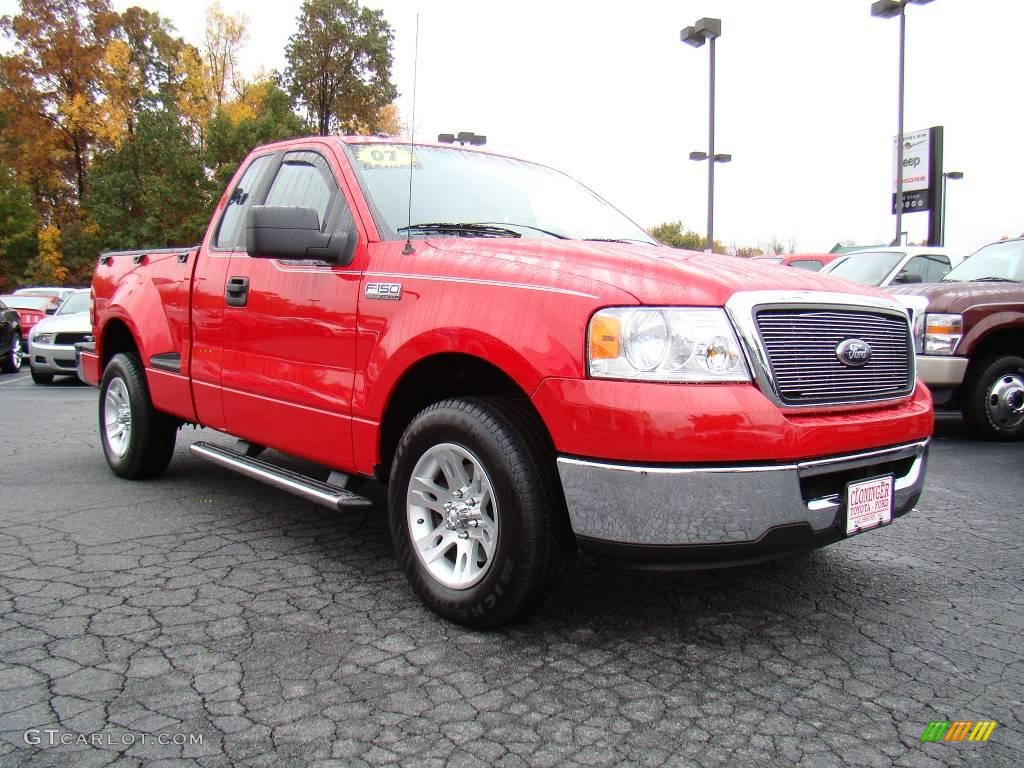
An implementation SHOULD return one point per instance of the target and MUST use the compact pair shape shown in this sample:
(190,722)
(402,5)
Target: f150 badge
(386,291)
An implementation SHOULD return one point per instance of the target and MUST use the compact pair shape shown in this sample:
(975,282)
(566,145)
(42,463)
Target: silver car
(51,344)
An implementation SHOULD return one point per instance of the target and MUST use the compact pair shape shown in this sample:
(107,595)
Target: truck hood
(957,297)
(651,274)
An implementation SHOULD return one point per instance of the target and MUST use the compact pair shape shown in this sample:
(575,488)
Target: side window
(918,267)
(938,266)
(230,229)
(305,180)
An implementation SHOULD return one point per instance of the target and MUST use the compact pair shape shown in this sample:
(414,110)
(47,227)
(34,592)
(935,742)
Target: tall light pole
(946,176)
(886,9)
(708,29)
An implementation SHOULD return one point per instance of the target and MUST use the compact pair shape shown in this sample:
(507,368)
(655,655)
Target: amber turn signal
(605,338)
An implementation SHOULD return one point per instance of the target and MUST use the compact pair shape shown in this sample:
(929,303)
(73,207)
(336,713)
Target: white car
(898,265)
(51,344)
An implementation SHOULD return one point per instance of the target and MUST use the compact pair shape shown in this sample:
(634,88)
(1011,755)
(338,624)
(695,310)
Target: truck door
(226,236)
(289,330)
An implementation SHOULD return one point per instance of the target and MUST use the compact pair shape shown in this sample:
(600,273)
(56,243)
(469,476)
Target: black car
(11,350)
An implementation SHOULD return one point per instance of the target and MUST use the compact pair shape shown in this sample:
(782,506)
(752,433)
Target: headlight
(664,344)
(942,333)
(42,338)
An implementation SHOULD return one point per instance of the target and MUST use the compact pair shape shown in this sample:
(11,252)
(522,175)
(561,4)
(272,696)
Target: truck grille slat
(800,346)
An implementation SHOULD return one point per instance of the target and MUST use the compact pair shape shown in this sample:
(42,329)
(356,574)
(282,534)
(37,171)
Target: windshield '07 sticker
(386,291)
(385,156)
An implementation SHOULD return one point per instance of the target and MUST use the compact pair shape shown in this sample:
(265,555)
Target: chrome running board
(311,489)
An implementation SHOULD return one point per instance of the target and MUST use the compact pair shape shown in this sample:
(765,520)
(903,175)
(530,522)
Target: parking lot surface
(204,619)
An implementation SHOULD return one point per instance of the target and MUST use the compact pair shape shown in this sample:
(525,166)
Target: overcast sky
(806,103)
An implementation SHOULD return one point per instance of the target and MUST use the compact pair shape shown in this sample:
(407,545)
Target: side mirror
(292,233)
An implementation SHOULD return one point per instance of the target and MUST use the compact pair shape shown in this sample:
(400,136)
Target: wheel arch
(117,337)
(1009,341)
(436,378)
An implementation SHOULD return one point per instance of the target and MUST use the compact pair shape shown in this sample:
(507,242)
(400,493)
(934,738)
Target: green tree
(152,190)
(261,114)
(339,65)
(18,224)
(673,233)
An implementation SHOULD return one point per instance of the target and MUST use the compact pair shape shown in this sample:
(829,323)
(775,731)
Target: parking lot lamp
(708,29)
(886,9)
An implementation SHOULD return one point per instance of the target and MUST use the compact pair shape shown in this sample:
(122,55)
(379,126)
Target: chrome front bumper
(665,506)
(941,372)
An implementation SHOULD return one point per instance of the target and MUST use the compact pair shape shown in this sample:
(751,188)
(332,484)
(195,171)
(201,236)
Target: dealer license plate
(868,504)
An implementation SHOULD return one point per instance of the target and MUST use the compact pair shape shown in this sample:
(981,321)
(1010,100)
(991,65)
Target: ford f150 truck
(523,365)
(969,336)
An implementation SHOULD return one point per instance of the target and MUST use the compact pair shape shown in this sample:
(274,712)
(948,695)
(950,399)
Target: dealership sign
(916,171)
(922,170)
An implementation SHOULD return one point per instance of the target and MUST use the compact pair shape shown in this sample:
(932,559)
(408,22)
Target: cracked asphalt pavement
(204,619)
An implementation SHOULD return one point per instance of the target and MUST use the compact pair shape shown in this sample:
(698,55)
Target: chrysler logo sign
(854,353)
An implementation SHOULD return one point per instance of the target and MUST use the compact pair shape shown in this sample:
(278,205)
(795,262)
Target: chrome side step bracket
(317,491)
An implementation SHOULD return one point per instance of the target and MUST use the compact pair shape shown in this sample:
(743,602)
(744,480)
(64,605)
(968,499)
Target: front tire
(477,515)
(138,440)
(41,378)
(993,404)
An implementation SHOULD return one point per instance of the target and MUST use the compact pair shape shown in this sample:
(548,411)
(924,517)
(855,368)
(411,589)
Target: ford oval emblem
(854,353)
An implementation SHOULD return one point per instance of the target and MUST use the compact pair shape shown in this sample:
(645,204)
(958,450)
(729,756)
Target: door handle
(237,292)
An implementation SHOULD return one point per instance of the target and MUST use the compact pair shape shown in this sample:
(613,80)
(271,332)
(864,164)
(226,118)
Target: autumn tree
(140,71)
(747,251)
(674,234)
(223,38)
(339,65)
(59,47)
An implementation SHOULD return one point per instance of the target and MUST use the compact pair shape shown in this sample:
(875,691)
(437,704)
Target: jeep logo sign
(854,353)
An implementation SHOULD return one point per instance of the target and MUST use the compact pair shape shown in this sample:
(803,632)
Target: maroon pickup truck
(969,337)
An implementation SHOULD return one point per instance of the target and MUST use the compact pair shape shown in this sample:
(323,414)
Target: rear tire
(138,440)
(477,515)
(993,400)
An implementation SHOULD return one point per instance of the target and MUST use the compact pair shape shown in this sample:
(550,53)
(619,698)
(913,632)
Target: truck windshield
(866,267)
(452,187)
(997,262)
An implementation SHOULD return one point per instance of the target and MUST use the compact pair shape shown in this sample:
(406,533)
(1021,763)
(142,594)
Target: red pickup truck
(523,365)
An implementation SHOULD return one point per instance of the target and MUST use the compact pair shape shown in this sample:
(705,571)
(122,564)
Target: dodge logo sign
(854,353)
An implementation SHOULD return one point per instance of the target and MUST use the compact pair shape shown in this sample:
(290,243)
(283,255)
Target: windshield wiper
(463,230)
(615,240)
(992,280)
(503,224)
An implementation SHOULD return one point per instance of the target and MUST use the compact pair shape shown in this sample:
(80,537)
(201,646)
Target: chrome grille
(800,346)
